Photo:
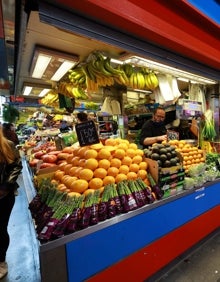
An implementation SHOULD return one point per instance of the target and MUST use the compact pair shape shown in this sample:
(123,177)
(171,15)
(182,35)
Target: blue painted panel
(93,253)
(210,8)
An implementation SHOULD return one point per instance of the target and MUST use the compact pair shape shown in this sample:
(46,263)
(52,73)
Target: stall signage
(87,133)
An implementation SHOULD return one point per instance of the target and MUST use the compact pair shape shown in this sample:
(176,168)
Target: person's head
(82,117)
(6,152)
(159,115)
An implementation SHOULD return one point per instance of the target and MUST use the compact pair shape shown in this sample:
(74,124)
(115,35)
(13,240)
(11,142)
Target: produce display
(97,71)
(78,187)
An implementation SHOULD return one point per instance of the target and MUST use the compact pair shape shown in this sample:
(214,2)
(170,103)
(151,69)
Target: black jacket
(9,173)
(151,129)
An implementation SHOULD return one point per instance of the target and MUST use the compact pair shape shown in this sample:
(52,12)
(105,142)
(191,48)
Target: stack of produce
(191,154)
(93,167)
(170,173)
(57,214)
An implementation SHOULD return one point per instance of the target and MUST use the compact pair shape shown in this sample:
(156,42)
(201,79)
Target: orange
(67,168)
(82,162)
(139,152)
(100,172)
(132,175)
(143,165)
(62,165)
(91,164)
(110,142)
(142,174)
(104,163)
(104,154)
(120,177)
(124,169)
(123,146)
(133,146)
(90,153)
(88,191)
(58,174)
(115,162)
(108,180)
(119,153)
(126,160)
(86,174)
(69,180)
(69,158)
(95,183)
(134,167)
(75,160)
(131,152)
(124,141)
(97,146)
(82,151)
(72,171)
(137,159)
(77,171)
(113,171)
(79,185)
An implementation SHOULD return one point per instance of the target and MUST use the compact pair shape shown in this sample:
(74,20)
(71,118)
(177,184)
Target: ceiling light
(27,90)
(50,64)
(138,61)
(35,90)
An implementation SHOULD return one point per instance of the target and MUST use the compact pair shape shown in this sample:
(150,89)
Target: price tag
(87,133)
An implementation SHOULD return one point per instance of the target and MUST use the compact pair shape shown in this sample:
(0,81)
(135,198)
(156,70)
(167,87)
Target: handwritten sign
(87,133)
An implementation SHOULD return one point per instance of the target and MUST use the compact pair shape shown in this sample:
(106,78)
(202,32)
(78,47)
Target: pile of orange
(92,167)
(190,154)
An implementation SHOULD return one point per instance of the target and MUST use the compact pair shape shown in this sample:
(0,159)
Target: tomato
(51,148)
(45,165)
(39,154)
(49,158)
(33,162)
(54,152)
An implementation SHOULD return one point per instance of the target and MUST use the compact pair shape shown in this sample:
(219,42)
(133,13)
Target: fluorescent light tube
(27,90)
(43,92)
(62,70)
(41,65)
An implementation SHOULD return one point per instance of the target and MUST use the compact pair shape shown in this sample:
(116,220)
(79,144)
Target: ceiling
(32,32)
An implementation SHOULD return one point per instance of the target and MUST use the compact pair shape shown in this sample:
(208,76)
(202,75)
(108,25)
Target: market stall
(139,239)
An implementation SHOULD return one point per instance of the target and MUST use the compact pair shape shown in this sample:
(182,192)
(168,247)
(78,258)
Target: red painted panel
(153,257)
(173,24)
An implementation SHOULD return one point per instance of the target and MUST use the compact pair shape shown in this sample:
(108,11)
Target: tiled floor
(201,265)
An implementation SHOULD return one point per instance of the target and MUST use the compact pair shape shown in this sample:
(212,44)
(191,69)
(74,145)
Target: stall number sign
(87,133)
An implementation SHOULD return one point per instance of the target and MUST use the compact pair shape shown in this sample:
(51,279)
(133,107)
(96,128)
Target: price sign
(87,133)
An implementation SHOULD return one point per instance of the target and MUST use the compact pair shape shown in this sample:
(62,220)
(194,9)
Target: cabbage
(196,169)
(189,183)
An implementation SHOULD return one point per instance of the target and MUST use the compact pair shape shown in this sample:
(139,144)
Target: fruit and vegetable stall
(113,206)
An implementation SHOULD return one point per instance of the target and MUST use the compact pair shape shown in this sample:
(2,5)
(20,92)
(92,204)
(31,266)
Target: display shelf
(113,246)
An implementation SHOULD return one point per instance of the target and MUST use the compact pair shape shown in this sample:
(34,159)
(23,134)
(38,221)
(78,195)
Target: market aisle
(22,255)
(202,264)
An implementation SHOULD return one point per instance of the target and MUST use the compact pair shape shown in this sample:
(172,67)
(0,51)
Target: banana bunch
(50,99)
(79,93)
(137,81)
(128,69)
(151,81)
(71,91)
(77,77)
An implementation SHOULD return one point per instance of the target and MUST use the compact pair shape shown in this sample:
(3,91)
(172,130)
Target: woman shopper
(10,168)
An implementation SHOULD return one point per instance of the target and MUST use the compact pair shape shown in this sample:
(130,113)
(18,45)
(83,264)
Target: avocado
(155,156)
(155,149)
(163,157)
(169,155)
(167,163)
(163,151)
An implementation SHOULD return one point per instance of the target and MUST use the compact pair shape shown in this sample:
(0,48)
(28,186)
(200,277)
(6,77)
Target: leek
(208,131)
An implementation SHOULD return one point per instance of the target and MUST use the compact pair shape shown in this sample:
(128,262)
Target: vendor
(154,130)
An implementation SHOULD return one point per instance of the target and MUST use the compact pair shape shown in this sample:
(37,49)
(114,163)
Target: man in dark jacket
(154,130)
